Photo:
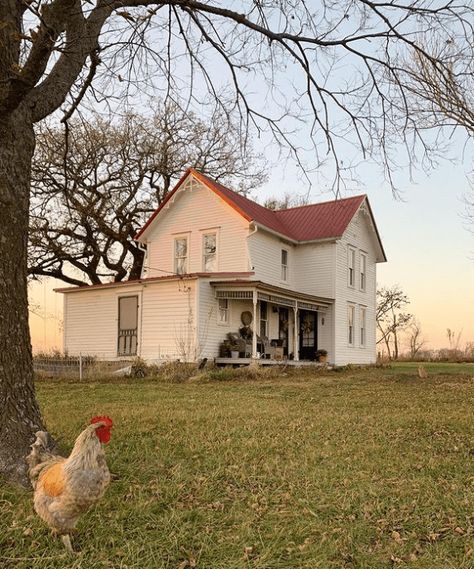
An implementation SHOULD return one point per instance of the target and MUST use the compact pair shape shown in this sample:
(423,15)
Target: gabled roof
(320,221)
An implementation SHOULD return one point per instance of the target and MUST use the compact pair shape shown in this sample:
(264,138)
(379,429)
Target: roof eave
(382,250)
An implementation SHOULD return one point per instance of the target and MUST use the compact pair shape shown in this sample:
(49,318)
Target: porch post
(255,328)
(296,343)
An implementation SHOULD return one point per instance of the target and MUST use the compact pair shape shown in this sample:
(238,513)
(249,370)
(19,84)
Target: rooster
(64,488)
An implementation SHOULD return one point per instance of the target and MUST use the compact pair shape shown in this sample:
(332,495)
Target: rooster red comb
(102,418)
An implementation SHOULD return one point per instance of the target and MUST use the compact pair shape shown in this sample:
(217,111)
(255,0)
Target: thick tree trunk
(19,412)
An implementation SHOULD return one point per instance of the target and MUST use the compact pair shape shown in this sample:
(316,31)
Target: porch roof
(272,293)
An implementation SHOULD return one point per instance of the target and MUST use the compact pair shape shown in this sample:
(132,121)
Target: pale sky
(430,254)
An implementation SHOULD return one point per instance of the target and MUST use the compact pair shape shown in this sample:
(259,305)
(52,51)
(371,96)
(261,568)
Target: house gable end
(189,181)
(364,213)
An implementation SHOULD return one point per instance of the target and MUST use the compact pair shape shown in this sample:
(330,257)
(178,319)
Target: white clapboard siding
(326,333)
(360,236)
(91,320)
(169,321)
(314,269)
(195,211)
(265,258)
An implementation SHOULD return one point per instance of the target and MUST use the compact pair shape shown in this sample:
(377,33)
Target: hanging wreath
(307,326)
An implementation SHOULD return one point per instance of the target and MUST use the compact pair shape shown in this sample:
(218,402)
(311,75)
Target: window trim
(351,256)
(175,264)
(351,327)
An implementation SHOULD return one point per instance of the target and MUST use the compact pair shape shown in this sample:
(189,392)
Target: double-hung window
(351,266)
(284,265)
(181,255)
(223,311)
(363,271)
(362,326)
(350,324)
(209,252)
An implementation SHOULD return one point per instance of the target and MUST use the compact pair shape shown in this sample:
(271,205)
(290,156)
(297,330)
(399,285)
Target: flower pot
(322,359)
(234,354)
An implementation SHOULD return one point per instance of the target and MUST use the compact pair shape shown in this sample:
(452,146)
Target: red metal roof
(306,223)
(320,220)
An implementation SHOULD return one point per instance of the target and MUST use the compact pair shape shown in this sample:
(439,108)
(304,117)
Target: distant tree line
(400,336)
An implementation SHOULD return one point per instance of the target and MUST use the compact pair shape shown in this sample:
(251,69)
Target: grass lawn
(368,469)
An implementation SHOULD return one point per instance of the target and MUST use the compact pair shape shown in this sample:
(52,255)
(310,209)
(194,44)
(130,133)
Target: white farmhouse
(284,283)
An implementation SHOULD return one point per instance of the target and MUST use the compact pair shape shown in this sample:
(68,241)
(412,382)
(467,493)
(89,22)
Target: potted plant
(321,355)
(233,345)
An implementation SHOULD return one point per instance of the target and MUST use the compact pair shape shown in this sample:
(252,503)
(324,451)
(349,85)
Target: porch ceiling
(272,293)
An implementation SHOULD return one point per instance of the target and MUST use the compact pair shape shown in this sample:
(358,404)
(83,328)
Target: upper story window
(350,324)
(284,265)
(181,255)
(223,311)
(351,266)
(363,271)
(209,252)
(362,326)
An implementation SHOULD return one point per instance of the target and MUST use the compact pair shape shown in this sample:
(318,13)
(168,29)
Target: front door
(308,334)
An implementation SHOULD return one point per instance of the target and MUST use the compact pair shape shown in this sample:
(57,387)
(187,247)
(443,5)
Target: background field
(360,469)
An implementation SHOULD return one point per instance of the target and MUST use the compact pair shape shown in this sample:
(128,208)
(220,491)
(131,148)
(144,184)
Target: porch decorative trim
(313,307)
(276,299)
(245,294)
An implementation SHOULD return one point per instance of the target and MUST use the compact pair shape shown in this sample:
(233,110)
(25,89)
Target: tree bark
(19,411)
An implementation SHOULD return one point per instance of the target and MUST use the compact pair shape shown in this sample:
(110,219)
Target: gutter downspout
(249,259)
(143,248)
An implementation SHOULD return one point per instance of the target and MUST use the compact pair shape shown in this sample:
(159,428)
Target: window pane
(223,315)
(350,324)
(181,247)
(209,252)
(209,243)
(284,257)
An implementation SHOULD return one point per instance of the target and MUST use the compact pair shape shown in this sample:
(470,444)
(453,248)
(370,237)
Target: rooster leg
(66,539)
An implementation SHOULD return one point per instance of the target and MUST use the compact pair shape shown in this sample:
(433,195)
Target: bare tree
(443,95)
(390,319)
(286,201)
(334,68)
(415,338)
(87,205)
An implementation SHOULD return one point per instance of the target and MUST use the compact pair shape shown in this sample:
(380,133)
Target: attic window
(181,255)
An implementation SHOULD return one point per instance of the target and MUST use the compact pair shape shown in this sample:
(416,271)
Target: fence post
(80,367)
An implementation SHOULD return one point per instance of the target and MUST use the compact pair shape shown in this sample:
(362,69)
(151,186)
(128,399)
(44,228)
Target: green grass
(446,368)
(368,469)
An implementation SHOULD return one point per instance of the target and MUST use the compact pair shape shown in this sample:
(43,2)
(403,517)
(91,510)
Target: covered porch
(273,325)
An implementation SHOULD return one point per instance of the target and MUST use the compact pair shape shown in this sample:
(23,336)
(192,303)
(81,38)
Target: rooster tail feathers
(39,455)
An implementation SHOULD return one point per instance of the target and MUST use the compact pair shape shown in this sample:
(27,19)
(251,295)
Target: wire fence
(79,367)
